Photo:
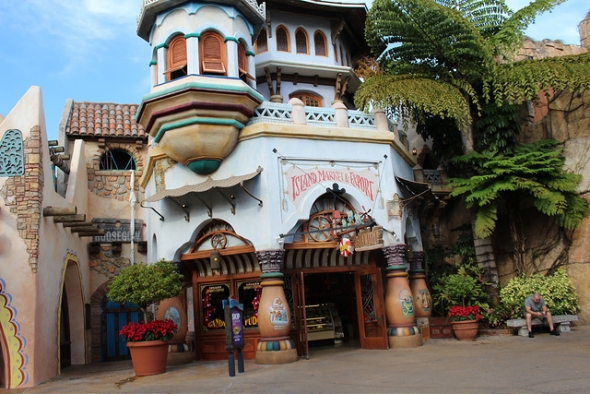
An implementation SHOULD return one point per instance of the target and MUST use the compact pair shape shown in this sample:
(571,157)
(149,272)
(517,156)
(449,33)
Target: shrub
(557,290)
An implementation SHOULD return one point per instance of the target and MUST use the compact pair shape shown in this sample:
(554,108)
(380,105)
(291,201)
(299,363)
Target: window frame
(287,37)
(178,68)
(204,54)
(306,97)
(259,39)
(325,43)
(298,32)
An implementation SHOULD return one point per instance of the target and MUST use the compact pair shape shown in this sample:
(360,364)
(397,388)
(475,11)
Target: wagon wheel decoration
(328,216)
(218,241)
(319,222)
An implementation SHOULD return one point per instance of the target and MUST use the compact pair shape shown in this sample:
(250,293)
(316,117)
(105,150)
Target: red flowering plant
(151,331)
(465,313)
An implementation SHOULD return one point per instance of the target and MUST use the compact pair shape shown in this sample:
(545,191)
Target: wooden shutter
(176,58)
(212,54)
(177,54)
(242,60)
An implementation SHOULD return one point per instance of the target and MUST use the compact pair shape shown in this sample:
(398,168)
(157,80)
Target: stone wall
(23,194)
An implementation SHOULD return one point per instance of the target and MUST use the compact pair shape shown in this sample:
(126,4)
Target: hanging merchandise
(346,247)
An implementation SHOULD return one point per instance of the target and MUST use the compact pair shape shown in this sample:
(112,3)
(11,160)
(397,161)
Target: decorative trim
(12,154)
(14,343)
(250,53)
(188,122)
(153,63)
(230,38)
(191,35)
(164,45)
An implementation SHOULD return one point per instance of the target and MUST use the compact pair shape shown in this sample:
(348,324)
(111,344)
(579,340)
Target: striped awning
(203,186)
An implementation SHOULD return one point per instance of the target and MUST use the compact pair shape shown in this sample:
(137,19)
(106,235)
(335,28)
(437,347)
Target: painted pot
(399,302)
(421,294)
(465,330)
(274,315)
(148,357)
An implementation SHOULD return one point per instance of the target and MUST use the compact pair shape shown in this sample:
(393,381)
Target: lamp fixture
(414,151)
(215,261)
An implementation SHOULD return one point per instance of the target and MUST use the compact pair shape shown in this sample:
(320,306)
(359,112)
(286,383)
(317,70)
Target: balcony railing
(321,117)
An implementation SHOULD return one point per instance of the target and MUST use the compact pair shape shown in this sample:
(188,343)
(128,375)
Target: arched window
(319,42)
(261,42)
(282,39)
(117,160)
(243,62)
(176,66)
(301,41)
(341,56)
(309,99)
(212,51)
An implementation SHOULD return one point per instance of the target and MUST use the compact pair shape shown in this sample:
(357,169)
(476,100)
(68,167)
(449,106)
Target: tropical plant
(557,290)
(451,58)
(144,284)
(465,313)
(534,172)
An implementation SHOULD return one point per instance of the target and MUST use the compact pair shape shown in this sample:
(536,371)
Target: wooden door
(114,317)
(370,309)
(300,315)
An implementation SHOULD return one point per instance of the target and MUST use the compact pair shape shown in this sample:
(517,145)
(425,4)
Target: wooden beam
(70,218)
(50,211)
(78,224)
(84,229)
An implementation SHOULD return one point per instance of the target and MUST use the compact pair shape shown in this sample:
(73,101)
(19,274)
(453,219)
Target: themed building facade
(247,163)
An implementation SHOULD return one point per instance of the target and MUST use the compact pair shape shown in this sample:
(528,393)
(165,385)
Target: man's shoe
(554,332)
(531,335)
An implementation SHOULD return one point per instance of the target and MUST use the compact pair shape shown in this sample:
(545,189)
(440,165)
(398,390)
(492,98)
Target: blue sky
(88,50)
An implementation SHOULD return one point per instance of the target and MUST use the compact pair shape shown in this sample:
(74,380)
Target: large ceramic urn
(420,292)
(274,316)
(399,303)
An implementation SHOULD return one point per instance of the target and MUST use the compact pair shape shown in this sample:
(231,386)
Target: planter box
(440,327)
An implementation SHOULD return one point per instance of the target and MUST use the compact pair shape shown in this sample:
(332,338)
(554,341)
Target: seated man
(535,307)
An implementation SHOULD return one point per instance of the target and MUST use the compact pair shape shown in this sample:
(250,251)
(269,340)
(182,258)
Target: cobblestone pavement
(491,364)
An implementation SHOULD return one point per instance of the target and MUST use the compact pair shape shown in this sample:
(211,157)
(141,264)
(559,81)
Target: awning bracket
(250,194)
(209,210)
(157,213)
(184,207)
(231,199)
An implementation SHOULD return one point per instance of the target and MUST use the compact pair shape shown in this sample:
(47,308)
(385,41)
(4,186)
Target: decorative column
(421,294)
(274,317)
(402,331)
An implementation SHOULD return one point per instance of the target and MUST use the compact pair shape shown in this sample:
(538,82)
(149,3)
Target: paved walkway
(504,364)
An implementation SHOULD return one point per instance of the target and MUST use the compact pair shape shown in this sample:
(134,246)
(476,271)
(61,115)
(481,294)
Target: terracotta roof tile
(104,120)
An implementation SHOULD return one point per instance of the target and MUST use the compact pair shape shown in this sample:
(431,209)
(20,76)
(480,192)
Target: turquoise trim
(194,34)
(401,267)
(164,45)
(153,62)
(229,38)
(272,275)
(250,53)
(204,166)
(202,85)
(188,122)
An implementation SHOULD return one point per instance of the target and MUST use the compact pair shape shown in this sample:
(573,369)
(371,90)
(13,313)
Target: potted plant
(465,296)
(144,284)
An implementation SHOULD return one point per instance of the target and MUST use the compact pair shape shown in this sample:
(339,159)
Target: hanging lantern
(346,247)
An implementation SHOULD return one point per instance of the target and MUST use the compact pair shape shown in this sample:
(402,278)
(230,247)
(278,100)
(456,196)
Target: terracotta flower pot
(465,330)
(148,357)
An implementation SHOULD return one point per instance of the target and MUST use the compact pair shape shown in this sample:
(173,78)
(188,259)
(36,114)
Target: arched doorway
(71,316)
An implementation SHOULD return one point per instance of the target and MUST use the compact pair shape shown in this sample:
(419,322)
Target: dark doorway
(65,344)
